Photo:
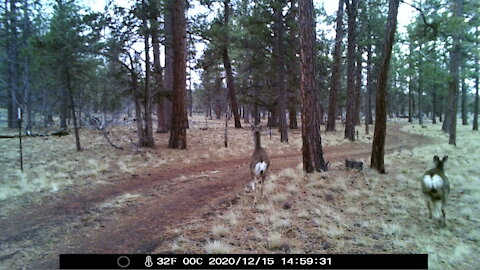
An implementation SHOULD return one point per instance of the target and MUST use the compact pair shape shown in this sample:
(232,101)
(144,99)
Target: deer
(259,163)
(435,186)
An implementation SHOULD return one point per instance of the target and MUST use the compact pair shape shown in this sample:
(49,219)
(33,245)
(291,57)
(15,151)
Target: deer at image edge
(259,163)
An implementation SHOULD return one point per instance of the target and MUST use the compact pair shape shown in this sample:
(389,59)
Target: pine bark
(457,8)
(352,8)
(168,79)
(312,147)
(292,116)
(178,133)
(147,95)
(160,98)
(72,107)
(279,53)
(336,72)
(378,145)
(138,106)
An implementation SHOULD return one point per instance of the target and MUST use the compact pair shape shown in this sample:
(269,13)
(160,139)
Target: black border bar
(243,261)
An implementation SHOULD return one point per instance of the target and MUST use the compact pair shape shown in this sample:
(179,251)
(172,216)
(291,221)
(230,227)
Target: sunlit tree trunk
(312,142)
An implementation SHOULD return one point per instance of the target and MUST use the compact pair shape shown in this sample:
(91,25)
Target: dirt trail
(130,215)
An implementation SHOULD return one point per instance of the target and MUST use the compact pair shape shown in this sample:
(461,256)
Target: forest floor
(104,200)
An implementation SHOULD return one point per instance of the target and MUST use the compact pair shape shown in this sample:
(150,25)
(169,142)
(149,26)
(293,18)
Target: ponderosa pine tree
(477,82)
(312,142)
(228,66)
(279,57)
(378,145)
(178,133)
(352,10)
(454,66)
(336,72)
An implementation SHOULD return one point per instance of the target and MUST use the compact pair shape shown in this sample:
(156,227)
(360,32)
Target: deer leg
(254,191)
(444,224)
(429,205)
(261,188)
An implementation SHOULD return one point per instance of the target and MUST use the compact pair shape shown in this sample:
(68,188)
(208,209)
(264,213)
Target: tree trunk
(368,106)
(148,95)
(420,90)
(178,135)
(477,81)
(26,64)
(378,145)
(434,104)
(138,107)
(358,86)
(64,109)
(336,72)
(228,67)
(158,74)
(246,110)
(168,80)
(464,100)
(13,81)
(352,8)
(72,106)
(279,57)
(411,107)
(312,142)
(457,8)
(292,116)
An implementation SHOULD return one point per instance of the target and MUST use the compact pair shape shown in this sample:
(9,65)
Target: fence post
(20,136)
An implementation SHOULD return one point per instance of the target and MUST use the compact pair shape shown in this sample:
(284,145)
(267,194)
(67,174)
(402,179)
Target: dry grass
(220,230)
(52,163)
(338,211)
(217,247)
(344,211)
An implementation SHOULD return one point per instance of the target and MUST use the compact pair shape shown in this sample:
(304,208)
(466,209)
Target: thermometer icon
(148,262)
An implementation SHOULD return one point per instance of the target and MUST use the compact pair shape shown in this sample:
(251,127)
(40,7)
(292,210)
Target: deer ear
(436,159)
(445,158)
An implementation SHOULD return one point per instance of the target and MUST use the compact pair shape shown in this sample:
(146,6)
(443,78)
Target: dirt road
(131,214)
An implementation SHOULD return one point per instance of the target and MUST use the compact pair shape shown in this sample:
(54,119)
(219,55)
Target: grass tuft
(217,247)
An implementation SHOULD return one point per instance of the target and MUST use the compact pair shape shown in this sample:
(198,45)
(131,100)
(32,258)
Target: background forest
(65,65)
(127,84)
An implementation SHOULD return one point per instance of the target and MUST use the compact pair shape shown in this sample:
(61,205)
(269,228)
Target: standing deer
(259,163)
(435,186)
